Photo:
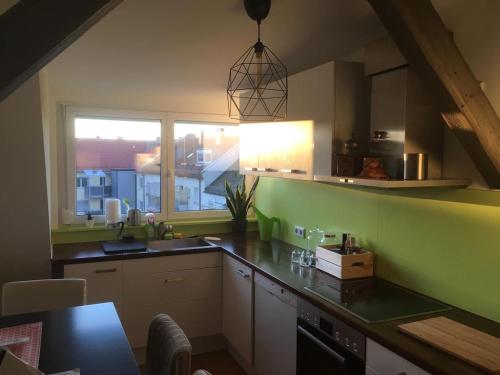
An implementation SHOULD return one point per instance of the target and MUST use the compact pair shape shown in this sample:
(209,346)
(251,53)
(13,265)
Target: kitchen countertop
(272,259)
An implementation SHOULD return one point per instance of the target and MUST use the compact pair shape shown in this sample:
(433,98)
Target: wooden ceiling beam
(429,48)
(33,32)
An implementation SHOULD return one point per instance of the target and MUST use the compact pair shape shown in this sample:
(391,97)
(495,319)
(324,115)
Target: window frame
(67,170)
(174,117)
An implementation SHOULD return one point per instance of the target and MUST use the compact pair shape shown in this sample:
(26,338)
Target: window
(116,158)
(174,165)
(206,156)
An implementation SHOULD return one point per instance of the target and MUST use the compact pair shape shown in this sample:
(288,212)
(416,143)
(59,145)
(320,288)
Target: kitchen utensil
(134,217)
(476,347)
(415,166)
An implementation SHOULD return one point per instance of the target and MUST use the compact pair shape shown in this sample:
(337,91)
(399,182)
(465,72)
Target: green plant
(239,201)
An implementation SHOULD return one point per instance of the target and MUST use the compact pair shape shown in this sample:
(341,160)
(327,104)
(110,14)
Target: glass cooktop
(375,300)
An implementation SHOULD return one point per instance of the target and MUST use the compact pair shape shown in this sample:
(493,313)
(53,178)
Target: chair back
(20,297)
(168,350)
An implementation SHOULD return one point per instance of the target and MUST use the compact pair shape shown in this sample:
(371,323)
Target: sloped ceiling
(153,46)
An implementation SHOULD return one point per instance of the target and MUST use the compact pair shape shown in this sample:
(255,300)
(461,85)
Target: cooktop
(375,300)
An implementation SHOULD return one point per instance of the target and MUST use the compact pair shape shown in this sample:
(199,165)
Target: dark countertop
(272,259)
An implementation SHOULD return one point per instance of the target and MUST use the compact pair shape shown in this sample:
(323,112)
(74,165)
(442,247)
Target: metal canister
(134,216)
(415,166)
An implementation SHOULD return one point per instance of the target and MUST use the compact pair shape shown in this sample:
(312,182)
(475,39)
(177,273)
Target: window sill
(80,233)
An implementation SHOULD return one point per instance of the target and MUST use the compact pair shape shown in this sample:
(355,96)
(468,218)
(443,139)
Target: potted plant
(238,203)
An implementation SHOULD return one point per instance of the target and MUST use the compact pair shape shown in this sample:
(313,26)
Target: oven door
(318,354)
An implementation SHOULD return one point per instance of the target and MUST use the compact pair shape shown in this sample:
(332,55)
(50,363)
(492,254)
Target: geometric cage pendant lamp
(257,89)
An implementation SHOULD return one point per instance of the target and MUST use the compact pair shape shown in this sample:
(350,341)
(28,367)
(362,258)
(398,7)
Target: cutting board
(469,344)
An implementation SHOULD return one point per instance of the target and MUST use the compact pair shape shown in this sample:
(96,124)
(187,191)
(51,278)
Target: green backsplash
(444,243)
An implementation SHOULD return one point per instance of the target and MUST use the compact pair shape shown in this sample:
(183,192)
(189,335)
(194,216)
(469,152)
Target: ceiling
(153,46)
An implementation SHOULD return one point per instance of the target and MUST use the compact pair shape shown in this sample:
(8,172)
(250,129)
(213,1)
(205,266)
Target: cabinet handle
(107,270)
(174,280)
(243,274)
(293,171)
(267,170)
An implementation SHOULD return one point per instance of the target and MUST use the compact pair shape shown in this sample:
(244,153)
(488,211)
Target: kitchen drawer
(104,280)
(380,360)
(171,263)
(196,318)
(167,287)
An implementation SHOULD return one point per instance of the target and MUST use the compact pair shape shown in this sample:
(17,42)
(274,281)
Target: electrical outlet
(300,231)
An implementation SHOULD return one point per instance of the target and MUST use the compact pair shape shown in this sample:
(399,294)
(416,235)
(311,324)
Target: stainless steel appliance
(375,300)
(415,166)
(325,345)
(134,217)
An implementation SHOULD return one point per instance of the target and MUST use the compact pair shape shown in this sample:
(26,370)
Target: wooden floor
(217,363)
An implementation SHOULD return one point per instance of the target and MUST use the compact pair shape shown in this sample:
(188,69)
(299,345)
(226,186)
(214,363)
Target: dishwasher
(275,324)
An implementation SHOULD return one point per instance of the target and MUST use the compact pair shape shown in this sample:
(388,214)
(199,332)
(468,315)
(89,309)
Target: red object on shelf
(28,351)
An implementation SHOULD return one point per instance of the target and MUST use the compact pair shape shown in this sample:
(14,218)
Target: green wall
(441,242)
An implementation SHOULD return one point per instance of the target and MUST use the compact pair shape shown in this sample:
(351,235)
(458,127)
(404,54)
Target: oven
(326,345)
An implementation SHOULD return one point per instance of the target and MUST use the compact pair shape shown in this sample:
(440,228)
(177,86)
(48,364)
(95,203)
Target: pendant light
(257,89)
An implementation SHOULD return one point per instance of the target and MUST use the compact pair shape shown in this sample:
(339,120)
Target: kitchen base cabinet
(275,328)
(187,287)
(198,318)
(104,281)
(381,361)
(237,306)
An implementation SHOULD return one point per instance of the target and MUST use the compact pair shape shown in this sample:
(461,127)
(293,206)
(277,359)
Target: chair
(169,350)
(20,297)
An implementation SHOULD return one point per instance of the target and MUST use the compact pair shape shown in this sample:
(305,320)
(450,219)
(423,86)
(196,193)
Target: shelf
(393,184)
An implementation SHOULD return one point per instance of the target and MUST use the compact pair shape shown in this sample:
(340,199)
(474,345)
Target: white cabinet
(381,361)
(327,105)
(277,149)
(104,281)
(237,306)
(275,328)
(187,287)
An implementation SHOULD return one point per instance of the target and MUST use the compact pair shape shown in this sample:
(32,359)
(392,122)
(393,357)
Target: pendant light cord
(258,31)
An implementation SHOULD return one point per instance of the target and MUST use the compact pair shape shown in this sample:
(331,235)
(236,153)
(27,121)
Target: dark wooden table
(90,338)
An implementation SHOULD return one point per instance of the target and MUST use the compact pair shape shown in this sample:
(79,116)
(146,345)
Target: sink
(180,244)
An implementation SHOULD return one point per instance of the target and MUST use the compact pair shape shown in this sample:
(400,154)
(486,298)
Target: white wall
(24,223)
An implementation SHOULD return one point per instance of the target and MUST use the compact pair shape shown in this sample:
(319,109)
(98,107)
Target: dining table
(89,338)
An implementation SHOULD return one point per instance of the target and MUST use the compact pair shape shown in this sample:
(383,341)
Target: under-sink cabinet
(104,281)
(237,306)
(382,361)
(187,287)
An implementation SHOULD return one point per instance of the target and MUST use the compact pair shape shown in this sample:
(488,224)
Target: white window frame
(67,170)
(173,117)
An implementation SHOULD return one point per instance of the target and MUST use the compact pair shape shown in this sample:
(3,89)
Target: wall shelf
(393,184)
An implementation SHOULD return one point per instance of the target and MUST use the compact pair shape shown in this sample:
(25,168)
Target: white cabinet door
(380,360)
(104,281)
(275,328)
(237,306)
(249,152)
(197,318)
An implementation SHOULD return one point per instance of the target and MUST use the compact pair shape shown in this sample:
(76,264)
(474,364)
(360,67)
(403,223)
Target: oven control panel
(351,339)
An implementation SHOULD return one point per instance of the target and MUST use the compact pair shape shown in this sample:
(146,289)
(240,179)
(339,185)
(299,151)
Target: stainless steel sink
(180,244)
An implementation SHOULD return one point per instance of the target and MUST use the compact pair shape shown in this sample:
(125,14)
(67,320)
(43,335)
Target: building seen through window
(117,159)
(206,155)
